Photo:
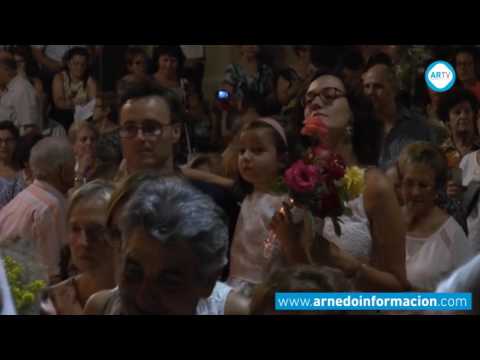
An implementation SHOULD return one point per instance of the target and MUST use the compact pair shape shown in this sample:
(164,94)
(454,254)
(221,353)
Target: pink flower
(301,177)
(314,126)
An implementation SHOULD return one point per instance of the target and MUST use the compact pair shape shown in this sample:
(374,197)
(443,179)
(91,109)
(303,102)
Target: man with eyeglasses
(401,126)
(150,126)
(151,122)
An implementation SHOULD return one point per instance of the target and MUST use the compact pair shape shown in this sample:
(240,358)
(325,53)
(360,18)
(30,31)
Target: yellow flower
(24,294)
(354,181)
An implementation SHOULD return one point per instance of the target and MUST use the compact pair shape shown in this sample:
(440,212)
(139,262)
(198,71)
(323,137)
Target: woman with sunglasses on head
(92,254)
(371,248)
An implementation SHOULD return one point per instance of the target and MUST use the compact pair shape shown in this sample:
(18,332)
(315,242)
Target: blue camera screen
(222,94)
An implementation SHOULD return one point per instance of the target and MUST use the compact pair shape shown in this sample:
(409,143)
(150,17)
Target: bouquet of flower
(320,182)
(25,275)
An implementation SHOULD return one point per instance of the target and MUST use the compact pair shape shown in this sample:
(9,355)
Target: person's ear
(176,132)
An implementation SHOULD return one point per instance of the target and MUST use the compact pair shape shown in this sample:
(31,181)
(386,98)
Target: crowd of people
(150,199)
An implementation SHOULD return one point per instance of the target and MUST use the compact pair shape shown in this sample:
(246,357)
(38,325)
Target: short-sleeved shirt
(430,260)
(20,104)
(38,214)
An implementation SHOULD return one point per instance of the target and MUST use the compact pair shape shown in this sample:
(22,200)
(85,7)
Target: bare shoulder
(237,304)
(58,79)
(378,187)
(96,303)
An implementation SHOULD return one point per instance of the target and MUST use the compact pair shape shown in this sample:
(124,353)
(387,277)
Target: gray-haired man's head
(175,241)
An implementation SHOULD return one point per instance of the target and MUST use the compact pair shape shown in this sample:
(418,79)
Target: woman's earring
(349,131)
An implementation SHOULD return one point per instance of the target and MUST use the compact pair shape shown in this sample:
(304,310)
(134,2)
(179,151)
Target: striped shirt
(38,213)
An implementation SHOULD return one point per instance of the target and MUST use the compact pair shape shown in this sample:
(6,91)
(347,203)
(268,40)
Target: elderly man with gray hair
(174,248)
(38,212)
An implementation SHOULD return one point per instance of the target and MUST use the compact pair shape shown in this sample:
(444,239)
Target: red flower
(301,177)
(336,167)
(314,126)
(329,204)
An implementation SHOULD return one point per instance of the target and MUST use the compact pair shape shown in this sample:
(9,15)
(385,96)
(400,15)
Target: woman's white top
(431,259)
(356,238)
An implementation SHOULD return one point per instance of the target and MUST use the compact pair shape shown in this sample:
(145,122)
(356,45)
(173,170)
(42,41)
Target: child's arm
(199,175)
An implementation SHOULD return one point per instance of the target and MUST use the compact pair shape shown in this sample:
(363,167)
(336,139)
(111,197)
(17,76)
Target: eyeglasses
(149,130)
(328,95)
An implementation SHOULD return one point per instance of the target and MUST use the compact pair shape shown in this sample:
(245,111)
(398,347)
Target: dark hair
(77,51)
(171,210)
(243,188)
(251,99)
(24,148)
(428,154)
(379,59)
(453,98)
(366,128)
(149,88)
(131,54)
(31,66)
(172,50)
(352,59)
(10,126)
(298,278)
(286,73)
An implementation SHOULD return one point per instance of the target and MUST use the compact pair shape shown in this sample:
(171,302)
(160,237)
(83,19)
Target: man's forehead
(160,257)
(377,74)
(153,107)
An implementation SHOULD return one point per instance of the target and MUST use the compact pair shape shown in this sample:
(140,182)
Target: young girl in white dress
(262,158)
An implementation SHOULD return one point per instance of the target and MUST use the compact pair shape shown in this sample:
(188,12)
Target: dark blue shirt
(410,127)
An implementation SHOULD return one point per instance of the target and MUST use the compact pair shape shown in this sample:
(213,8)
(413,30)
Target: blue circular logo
(440,76)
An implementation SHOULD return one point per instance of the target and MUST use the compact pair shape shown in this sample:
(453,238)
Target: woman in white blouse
(436,245)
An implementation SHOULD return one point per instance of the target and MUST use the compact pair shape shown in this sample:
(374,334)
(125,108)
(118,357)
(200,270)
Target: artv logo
(440,76)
